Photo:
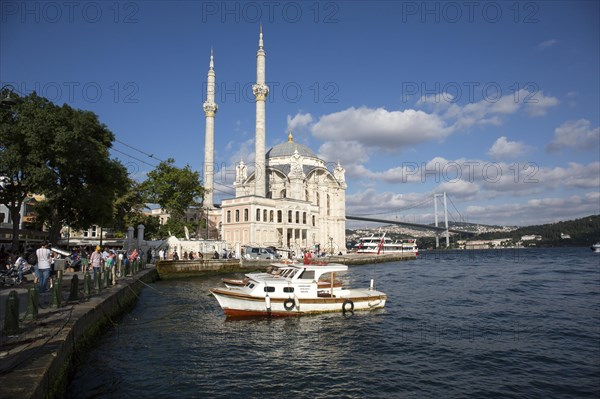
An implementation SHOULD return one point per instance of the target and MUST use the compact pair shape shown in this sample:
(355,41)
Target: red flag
(380,246)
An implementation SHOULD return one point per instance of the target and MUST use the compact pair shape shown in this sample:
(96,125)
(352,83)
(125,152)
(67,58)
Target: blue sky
(494,103)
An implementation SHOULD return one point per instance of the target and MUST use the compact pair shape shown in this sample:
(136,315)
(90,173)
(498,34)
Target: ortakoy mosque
(291,200)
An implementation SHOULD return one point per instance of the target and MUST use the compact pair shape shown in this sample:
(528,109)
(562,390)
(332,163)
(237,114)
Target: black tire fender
(348,306)
(289,304)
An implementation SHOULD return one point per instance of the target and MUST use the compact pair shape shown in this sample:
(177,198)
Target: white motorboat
(296,289)
(385,245)
(596,247)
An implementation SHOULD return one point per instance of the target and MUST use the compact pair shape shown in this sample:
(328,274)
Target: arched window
(297,217)
(246,215)
(303,217)
(265,215)
(282,194)
(306,195)
(290,217)
(237,215)
(318,197)
(228,216)
(314,220)
(328,206)
(258,215)
(271,214)
(279,217)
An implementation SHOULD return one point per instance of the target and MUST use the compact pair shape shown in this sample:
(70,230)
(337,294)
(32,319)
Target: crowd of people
(194,255)
(42,261)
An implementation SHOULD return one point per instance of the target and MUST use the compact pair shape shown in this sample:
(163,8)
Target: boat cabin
(299,280)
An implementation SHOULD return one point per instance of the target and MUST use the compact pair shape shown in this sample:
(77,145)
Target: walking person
(96,260)
(110,264)
(44,258)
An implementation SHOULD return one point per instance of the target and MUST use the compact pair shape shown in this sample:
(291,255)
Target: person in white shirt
(96,260)
(44,256)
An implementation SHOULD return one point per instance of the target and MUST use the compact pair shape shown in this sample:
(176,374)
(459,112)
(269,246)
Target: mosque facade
(288,198)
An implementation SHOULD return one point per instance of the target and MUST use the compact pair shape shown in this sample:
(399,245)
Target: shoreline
(39,361)
(169,269)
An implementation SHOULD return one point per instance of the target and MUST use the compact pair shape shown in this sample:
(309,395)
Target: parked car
(260,253)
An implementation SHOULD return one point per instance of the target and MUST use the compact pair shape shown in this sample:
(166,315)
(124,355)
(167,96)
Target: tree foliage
(583,232)
(174,189)
(62,153)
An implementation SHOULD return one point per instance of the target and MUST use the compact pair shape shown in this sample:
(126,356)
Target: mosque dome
(288,148)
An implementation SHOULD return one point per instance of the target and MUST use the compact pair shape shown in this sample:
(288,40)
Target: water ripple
(503,324)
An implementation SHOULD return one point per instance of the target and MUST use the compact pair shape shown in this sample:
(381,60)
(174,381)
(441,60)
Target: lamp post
(331,246)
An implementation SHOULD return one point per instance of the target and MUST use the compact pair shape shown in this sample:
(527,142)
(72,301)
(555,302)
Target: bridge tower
(437,236)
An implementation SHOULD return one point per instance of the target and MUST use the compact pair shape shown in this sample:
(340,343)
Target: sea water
(498,323)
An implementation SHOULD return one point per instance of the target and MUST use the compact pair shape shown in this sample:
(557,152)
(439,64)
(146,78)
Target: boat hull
(237,304)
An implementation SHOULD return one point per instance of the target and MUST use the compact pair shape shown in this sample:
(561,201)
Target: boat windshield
(308,275)
(288,273)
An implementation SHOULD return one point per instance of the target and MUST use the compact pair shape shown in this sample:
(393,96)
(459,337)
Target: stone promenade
(36,362)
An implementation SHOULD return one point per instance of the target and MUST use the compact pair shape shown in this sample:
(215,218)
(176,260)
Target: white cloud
(546,44)
(390,130)
(418,207)
(461,189)
(575,134)
(244,152)
(484,180)
(372,201)
(351,154)
(298,121)
(537,104)
(574,176)
(504,149)
(489,111)
(536,211)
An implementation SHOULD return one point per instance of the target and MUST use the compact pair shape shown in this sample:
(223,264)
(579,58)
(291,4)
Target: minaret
(260,90)
(210,109)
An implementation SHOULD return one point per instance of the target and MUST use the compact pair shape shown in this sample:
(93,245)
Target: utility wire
(138,150)
(132,157)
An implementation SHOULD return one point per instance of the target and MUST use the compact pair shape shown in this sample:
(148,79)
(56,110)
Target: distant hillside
(583,232)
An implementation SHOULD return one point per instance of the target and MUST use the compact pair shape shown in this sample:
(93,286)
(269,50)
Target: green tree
(29,117)
(129,209)
(62,153)
(174,190)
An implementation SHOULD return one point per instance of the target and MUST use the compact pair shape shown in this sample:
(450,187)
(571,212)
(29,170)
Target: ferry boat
(596,247)
(385,245)
(296,289)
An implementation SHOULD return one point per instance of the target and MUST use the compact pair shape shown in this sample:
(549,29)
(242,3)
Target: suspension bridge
(415,226)
(439,230)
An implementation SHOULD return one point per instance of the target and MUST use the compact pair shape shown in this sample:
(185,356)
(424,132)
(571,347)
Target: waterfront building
(288,198)
(531,237)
